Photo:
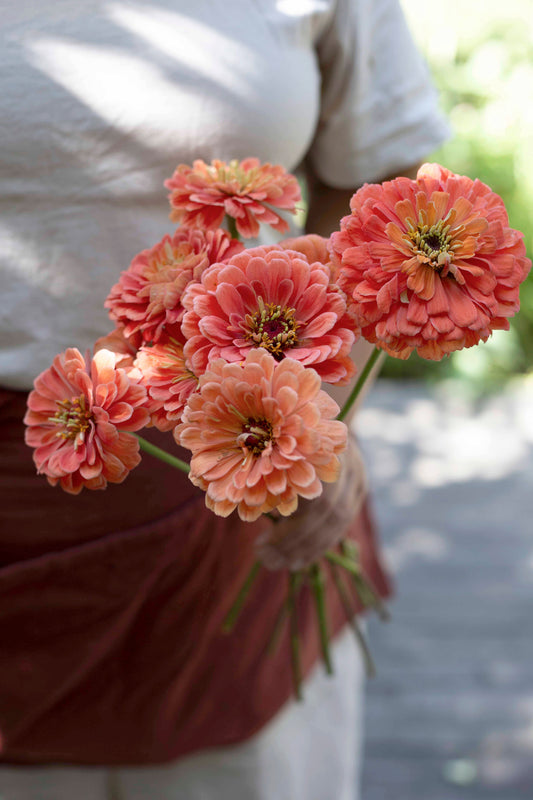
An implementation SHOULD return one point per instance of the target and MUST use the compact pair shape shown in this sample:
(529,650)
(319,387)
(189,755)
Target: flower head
(146,299)
(168,380)
(262,433)
(430,264)
(124,348)
(273,299)
(79,417)
(247,191)
(314,248)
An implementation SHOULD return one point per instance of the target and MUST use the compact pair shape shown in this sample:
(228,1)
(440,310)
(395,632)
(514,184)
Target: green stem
(350,550)
(153,450)
(367,369)
(363,585)
(367,594)
(295,636)
(319,594)
(350,613)
(280,619)
(232,227)
(235,610)
(342,561)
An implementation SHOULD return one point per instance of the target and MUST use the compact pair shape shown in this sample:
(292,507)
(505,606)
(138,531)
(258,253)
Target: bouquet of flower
(228,348)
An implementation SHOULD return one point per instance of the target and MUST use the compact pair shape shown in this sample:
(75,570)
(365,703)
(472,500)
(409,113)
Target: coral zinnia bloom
(430,264)
(274,299)
(124,348)
(247,191)
(168,380)
(314,248)
(147,297)
(77,419)
(262,433)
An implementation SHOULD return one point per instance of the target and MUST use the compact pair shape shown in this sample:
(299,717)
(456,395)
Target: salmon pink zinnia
(429,265)
(125,348)
(147,297)
(314,248)
(168,380)
(273,299)
(247,191)
(79,420)
(262,433)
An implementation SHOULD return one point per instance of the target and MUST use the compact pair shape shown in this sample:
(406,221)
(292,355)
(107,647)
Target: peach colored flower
(274,299)
(168,381)
(147,297)
(430,265)
(247,191)
(125,349)
(314,248)
(79,417)
(262,433)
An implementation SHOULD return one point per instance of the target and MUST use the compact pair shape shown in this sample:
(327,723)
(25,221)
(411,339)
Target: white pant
(309,751)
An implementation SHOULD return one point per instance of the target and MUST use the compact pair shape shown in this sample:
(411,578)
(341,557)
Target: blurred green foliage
(481,58)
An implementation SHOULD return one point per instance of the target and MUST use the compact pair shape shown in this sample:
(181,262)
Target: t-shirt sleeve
(379,109)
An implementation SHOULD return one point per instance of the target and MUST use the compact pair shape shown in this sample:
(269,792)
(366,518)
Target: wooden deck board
(450,714)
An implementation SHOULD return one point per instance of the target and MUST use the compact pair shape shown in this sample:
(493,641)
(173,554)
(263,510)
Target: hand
(297,541)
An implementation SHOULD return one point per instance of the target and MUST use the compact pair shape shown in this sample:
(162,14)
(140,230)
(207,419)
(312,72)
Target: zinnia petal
(77,440)
(271,299)
(421,263)
(280,430)
(247,190)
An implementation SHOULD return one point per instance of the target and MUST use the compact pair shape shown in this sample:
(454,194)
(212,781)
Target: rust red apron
(111,607)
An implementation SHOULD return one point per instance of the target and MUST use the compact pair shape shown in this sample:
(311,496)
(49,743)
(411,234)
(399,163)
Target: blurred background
(450,452)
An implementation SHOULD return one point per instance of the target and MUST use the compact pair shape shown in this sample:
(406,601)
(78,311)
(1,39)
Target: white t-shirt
(101,99)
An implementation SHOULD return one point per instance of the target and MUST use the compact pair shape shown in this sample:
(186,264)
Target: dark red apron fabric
(111,609)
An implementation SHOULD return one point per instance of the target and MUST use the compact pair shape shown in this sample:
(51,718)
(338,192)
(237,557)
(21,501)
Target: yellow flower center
(74,418)
(433,243)
(233,173)
(256,434)
(273,328)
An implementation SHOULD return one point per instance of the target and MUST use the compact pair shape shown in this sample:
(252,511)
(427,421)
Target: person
(115,678)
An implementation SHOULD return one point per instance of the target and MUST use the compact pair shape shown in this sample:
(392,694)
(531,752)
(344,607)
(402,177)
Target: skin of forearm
(327,205)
